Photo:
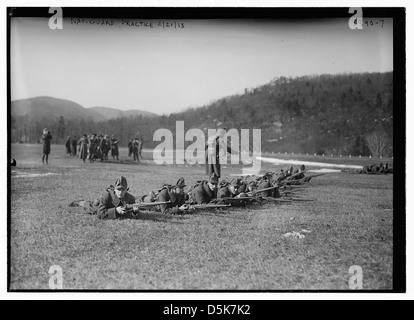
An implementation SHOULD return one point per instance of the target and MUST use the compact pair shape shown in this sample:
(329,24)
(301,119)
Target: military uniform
(224,189)
(202,193)
(92,148)
(213,156)
(269,180)
(130,148)
(177,200)
(102,149)
(83,148)
(114,148)
(68,145)
(74,145)
(105,207)
(109,202)
(299,173)
(264,184)
(46,137)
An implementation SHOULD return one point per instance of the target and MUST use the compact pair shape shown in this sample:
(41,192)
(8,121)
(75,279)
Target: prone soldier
(175,195)
(205,191)
(111,205)
(228,189)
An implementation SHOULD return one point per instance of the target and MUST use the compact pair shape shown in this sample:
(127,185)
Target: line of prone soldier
(172,199)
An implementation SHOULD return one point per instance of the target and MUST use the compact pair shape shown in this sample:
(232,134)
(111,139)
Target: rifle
(209,206)
(292,186)
(261,190)
(144,205)
(276,199)
(295,174)
(236,200)
(307,179)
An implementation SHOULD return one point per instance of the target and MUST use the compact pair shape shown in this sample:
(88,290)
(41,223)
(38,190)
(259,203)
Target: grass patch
(237,249)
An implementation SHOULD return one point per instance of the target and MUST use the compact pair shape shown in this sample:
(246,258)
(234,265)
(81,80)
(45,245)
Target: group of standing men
(97,147)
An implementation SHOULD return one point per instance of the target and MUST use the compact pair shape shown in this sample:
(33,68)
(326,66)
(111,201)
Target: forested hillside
(339,114)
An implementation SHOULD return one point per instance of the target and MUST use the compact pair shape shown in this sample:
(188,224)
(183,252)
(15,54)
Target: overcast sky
(167,70)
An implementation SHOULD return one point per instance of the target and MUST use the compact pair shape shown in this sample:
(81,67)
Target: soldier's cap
(223,183)
(213,179)
(302,167)
(236,182)
(181,183)
(121,183)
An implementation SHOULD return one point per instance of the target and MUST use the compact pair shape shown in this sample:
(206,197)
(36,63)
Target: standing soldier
(83,147)
(135,145)
(68,145)
(92,148)
(107,146)
(205,191)
(102,148)
(46,137)
(74,145)
(114,148)
(130,149)
(140,144)
(213,153)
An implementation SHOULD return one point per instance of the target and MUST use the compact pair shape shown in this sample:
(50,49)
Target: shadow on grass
(142,215)
(160,217)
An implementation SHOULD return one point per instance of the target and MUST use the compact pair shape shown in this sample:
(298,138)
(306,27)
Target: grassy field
(237,249)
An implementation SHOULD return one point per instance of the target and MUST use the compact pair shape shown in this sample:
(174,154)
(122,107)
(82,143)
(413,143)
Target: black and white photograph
(206,150)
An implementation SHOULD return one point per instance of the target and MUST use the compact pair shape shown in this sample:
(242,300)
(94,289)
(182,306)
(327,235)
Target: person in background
(68,145)
(83,147)
(114,148)
(74,145)
(130,148)
(46,137)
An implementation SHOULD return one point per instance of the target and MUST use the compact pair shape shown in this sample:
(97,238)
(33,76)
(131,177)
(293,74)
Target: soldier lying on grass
(174,194)
(204,191)
(229,189)
(112,204)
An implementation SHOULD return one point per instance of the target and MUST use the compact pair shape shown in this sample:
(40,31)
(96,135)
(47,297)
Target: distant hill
(40,108)
(111,113)
(324,114)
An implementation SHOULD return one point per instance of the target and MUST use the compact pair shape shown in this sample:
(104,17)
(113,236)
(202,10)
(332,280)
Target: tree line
(324,114)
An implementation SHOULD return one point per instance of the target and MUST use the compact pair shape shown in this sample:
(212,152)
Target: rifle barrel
(147,204)
(261,190)
(276,199)
(201,206)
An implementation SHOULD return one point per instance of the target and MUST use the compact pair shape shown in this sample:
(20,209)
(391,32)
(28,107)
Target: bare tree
(378,143)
